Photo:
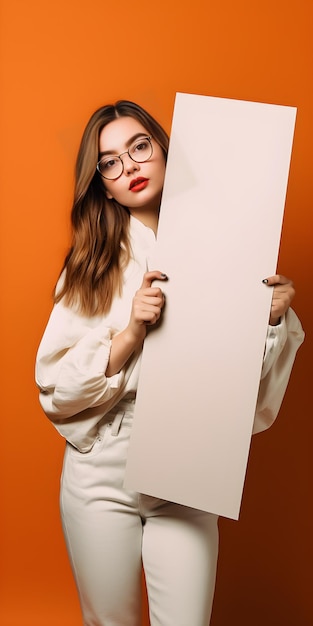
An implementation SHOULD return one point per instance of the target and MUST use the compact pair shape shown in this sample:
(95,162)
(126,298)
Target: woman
(87,371)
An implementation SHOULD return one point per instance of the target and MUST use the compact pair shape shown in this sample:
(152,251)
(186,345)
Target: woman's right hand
(147,306)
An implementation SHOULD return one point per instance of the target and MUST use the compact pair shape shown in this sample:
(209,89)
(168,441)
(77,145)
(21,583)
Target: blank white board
(218,237)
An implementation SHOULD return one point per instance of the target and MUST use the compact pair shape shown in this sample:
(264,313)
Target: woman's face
(140,185)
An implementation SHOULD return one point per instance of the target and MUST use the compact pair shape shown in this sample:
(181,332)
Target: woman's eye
(141,145)
(106,165)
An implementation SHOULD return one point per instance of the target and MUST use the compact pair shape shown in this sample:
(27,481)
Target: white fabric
(72,358)
(282,343)
(111,532)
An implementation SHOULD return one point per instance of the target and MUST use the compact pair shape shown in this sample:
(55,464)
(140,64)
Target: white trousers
(111,532)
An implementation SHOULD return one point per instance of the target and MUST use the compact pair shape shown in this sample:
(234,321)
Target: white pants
(110,532)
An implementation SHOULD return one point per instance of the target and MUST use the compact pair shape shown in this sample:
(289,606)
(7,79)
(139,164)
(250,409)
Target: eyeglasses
(112,166)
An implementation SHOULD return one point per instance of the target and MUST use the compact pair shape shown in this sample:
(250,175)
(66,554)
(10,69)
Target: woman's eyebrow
(127,144)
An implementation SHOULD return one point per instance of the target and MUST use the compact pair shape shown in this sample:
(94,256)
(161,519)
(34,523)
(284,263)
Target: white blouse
(74,352)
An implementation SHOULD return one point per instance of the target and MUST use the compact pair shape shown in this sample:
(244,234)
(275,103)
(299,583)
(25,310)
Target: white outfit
(108,529)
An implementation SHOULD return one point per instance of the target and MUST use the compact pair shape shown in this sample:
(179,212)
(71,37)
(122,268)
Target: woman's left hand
(283,294)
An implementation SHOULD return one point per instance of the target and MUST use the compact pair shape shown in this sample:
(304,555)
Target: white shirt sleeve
(71,363)
(281,347)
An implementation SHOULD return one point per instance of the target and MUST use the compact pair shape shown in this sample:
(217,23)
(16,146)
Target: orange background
(59,62)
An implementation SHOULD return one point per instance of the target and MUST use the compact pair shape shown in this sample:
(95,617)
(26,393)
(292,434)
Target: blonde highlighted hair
(100,250)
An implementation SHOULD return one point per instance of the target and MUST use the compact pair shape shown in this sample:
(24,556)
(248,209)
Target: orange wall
(60,61)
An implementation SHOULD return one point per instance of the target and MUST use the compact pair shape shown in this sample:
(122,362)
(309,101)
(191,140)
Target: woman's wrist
(275,321)
(134,335)
(123,345)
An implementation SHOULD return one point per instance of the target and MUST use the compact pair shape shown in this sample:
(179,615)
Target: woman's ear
(108,195)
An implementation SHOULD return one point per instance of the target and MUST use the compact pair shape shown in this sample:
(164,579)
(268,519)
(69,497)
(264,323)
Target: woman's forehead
(117,135)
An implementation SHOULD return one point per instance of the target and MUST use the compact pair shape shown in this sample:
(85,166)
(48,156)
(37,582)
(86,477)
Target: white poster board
(218,237)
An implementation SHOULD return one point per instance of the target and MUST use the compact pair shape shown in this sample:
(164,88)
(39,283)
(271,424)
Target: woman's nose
(130,165)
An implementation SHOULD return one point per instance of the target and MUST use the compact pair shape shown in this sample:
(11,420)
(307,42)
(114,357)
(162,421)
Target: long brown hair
(100,250)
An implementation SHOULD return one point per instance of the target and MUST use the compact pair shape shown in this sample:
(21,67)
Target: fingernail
(265,281)
(164,276)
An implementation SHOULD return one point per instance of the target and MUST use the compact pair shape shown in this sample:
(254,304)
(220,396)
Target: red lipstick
(137,184)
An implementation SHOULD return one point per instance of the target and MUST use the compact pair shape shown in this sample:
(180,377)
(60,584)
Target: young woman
(87,371)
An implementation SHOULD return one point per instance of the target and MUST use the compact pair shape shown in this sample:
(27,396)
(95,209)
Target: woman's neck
(149,218)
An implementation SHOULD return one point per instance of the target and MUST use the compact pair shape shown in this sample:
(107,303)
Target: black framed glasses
(112,166)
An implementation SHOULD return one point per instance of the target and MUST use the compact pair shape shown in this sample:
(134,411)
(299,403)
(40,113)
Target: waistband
(127,401)
(124,408)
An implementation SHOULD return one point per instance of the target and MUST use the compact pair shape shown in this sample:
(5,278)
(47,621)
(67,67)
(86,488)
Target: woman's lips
(137,184)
